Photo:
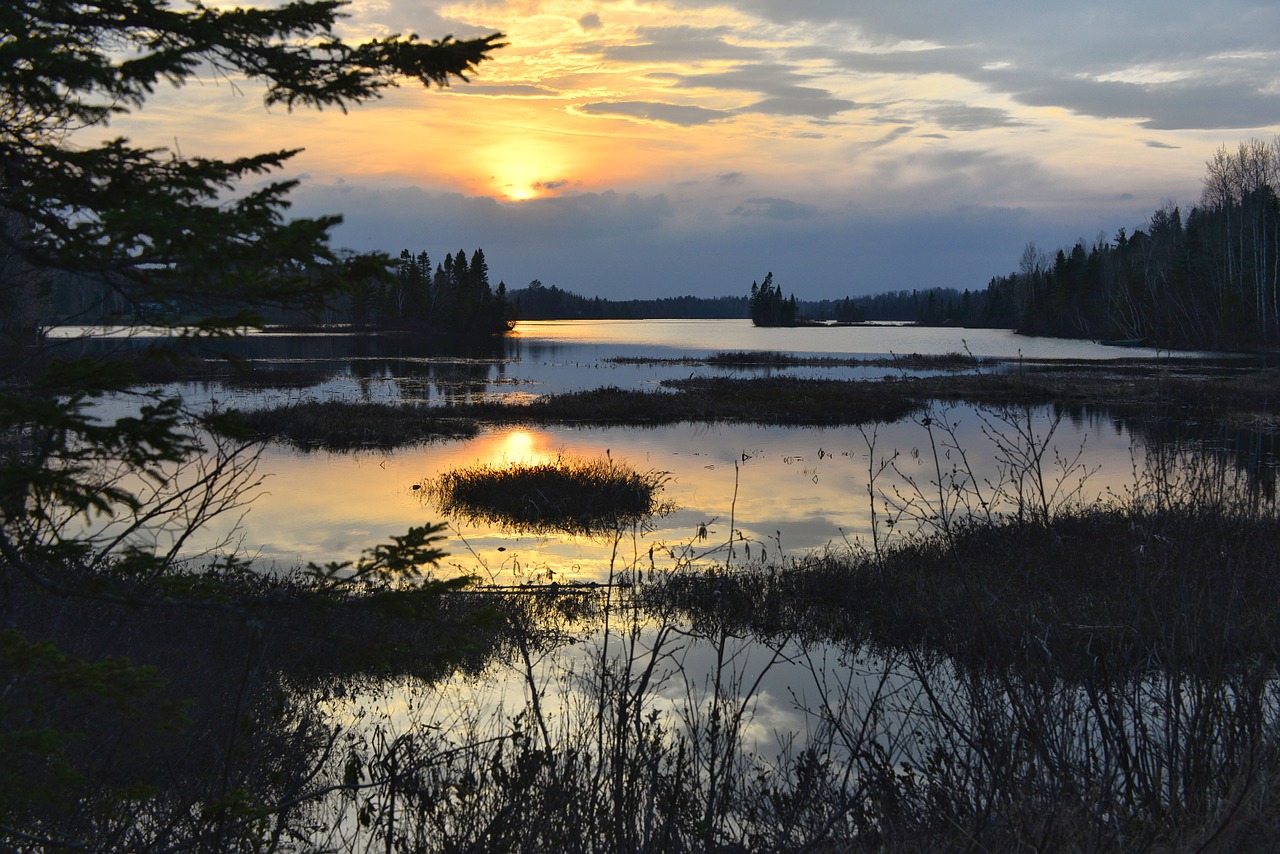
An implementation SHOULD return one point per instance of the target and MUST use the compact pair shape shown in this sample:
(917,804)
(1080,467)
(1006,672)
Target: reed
(348,425)
(1012,668)
(577,496)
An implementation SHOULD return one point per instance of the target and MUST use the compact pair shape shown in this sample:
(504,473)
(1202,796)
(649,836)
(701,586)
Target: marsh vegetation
(1010,648)
(578,496)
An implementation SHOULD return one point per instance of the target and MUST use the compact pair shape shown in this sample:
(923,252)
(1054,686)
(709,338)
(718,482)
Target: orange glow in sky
(739,137)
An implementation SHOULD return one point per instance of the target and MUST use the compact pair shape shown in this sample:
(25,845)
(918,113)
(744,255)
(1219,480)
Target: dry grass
(572,495)
(1097,590)
(784,400)
(1250,397)
(343,425)
(1187,391)
(777,359)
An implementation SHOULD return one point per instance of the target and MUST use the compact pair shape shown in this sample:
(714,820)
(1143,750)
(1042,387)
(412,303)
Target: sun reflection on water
(518,446)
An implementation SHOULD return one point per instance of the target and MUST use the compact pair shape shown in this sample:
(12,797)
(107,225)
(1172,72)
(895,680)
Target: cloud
(956,116)
(1201,105)
(782,87)
(1169,65)
(819,105)
(781,209)
(677,44)
(625,245)
(675,114)
(508,90)
(850,147)
(404,17)
(890,137)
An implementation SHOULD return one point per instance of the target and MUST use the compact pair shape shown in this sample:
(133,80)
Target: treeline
(1204,278)
(548,302)
(455,296)
(1207,278)
(931,307)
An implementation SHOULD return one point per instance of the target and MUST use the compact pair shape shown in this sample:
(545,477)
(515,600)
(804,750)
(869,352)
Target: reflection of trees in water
(1252,451)
(456,371)
(664,734)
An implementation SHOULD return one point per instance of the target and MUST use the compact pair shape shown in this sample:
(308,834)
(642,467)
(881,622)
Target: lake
(786,489)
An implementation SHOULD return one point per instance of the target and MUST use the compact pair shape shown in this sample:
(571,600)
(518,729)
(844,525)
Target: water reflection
(656,735)
(543,357)
(781,489)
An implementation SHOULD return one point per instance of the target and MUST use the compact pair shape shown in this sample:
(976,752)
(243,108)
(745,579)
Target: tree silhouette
(96,508)
(769,307)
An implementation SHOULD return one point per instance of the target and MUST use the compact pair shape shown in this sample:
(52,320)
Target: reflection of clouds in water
(787,692)
(806,486)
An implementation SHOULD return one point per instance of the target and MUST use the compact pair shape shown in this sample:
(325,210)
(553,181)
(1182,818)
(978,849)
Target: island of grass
(1226,393)
(576,496)
(341,425)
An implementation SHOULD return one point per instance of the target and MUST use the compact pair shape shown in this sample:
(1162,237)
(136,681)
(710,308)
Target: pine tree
(152,226)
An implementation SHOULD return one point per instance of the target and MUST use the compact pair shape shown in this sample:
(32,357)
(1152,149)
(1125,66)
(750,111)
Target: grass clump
(778,359)
(785,400)
(339,425)
(566,494)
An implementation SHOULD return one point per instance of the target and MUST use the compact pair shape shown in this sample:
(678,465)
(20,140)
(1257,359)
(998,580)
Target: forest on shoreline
(1207,277)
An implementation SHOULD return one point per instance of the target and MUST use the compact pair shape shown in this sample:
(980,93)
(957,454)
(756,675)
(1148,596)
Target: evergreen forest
(456,295)
(1203,278)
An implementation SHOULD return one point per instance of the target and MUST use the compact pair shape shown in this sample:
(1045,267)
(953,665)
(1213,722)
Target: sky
(654,148)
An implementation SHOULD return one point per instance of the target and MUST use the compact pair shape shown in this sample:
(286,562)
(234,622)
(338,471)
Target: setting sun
(518,193)
(526,169)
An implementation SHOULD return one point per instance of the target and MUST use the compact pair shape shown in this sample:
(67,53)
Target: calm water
(708,336)
(788,489)
(543,357)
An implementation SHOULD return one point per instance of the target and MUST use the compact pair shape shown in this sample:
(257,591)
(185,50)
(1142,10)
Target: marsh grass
(1120,591)
(777,359)
(1090,677)
(784,400)
(178,726)
(952,701)
(1239,396)
(348,425)
(1179,572)
(1077,679)
(576,496)
(1184,390)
